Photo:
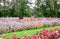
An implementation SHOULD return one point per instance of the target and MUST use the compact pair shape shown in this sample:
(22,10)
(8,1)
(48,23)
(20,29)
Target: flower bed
(11,25)
(45,34)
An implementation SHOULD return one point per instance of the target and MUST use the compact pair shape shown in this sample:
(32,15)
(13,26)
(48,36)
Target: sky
(10,0)
(33,1)
(3,4)
(32,5)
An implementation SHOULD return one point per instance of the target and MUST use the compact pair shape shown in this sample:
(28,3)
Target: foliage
(46,8)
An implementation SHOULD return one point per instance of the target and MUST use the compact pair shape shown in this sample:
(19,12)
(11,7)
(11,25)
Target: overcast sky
(32,5)
(33,1)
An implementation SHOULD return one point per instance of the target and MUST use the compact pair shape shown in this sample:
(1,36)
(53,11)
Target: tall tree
(21,7)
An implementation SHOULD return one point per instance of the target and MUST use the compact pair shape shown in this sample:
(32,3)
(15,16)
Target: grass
(21,33)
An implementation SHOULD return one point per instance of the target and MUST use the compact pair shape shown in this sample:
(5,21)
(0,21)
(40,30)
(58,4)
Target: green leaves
(50,9)
(46,8)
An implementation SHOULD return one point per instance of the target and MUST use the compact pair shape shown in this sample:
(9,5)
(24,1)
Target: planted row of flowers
(17,25)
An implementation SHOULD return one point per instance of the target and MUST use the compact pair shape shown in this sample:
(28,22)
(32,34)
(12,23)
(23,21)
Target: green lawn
(21,33)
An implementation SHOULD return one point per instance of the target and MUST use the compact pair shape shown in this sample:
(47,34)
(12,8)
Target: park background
(36,14)
(25,8)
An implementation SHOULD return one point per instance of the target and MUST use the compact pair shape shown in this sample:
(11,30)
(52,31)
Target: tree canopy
(16,8)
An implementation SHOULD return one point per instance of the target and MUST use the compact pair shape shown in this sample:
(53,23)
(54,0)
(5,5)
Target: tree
(47,8)
(21,8)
